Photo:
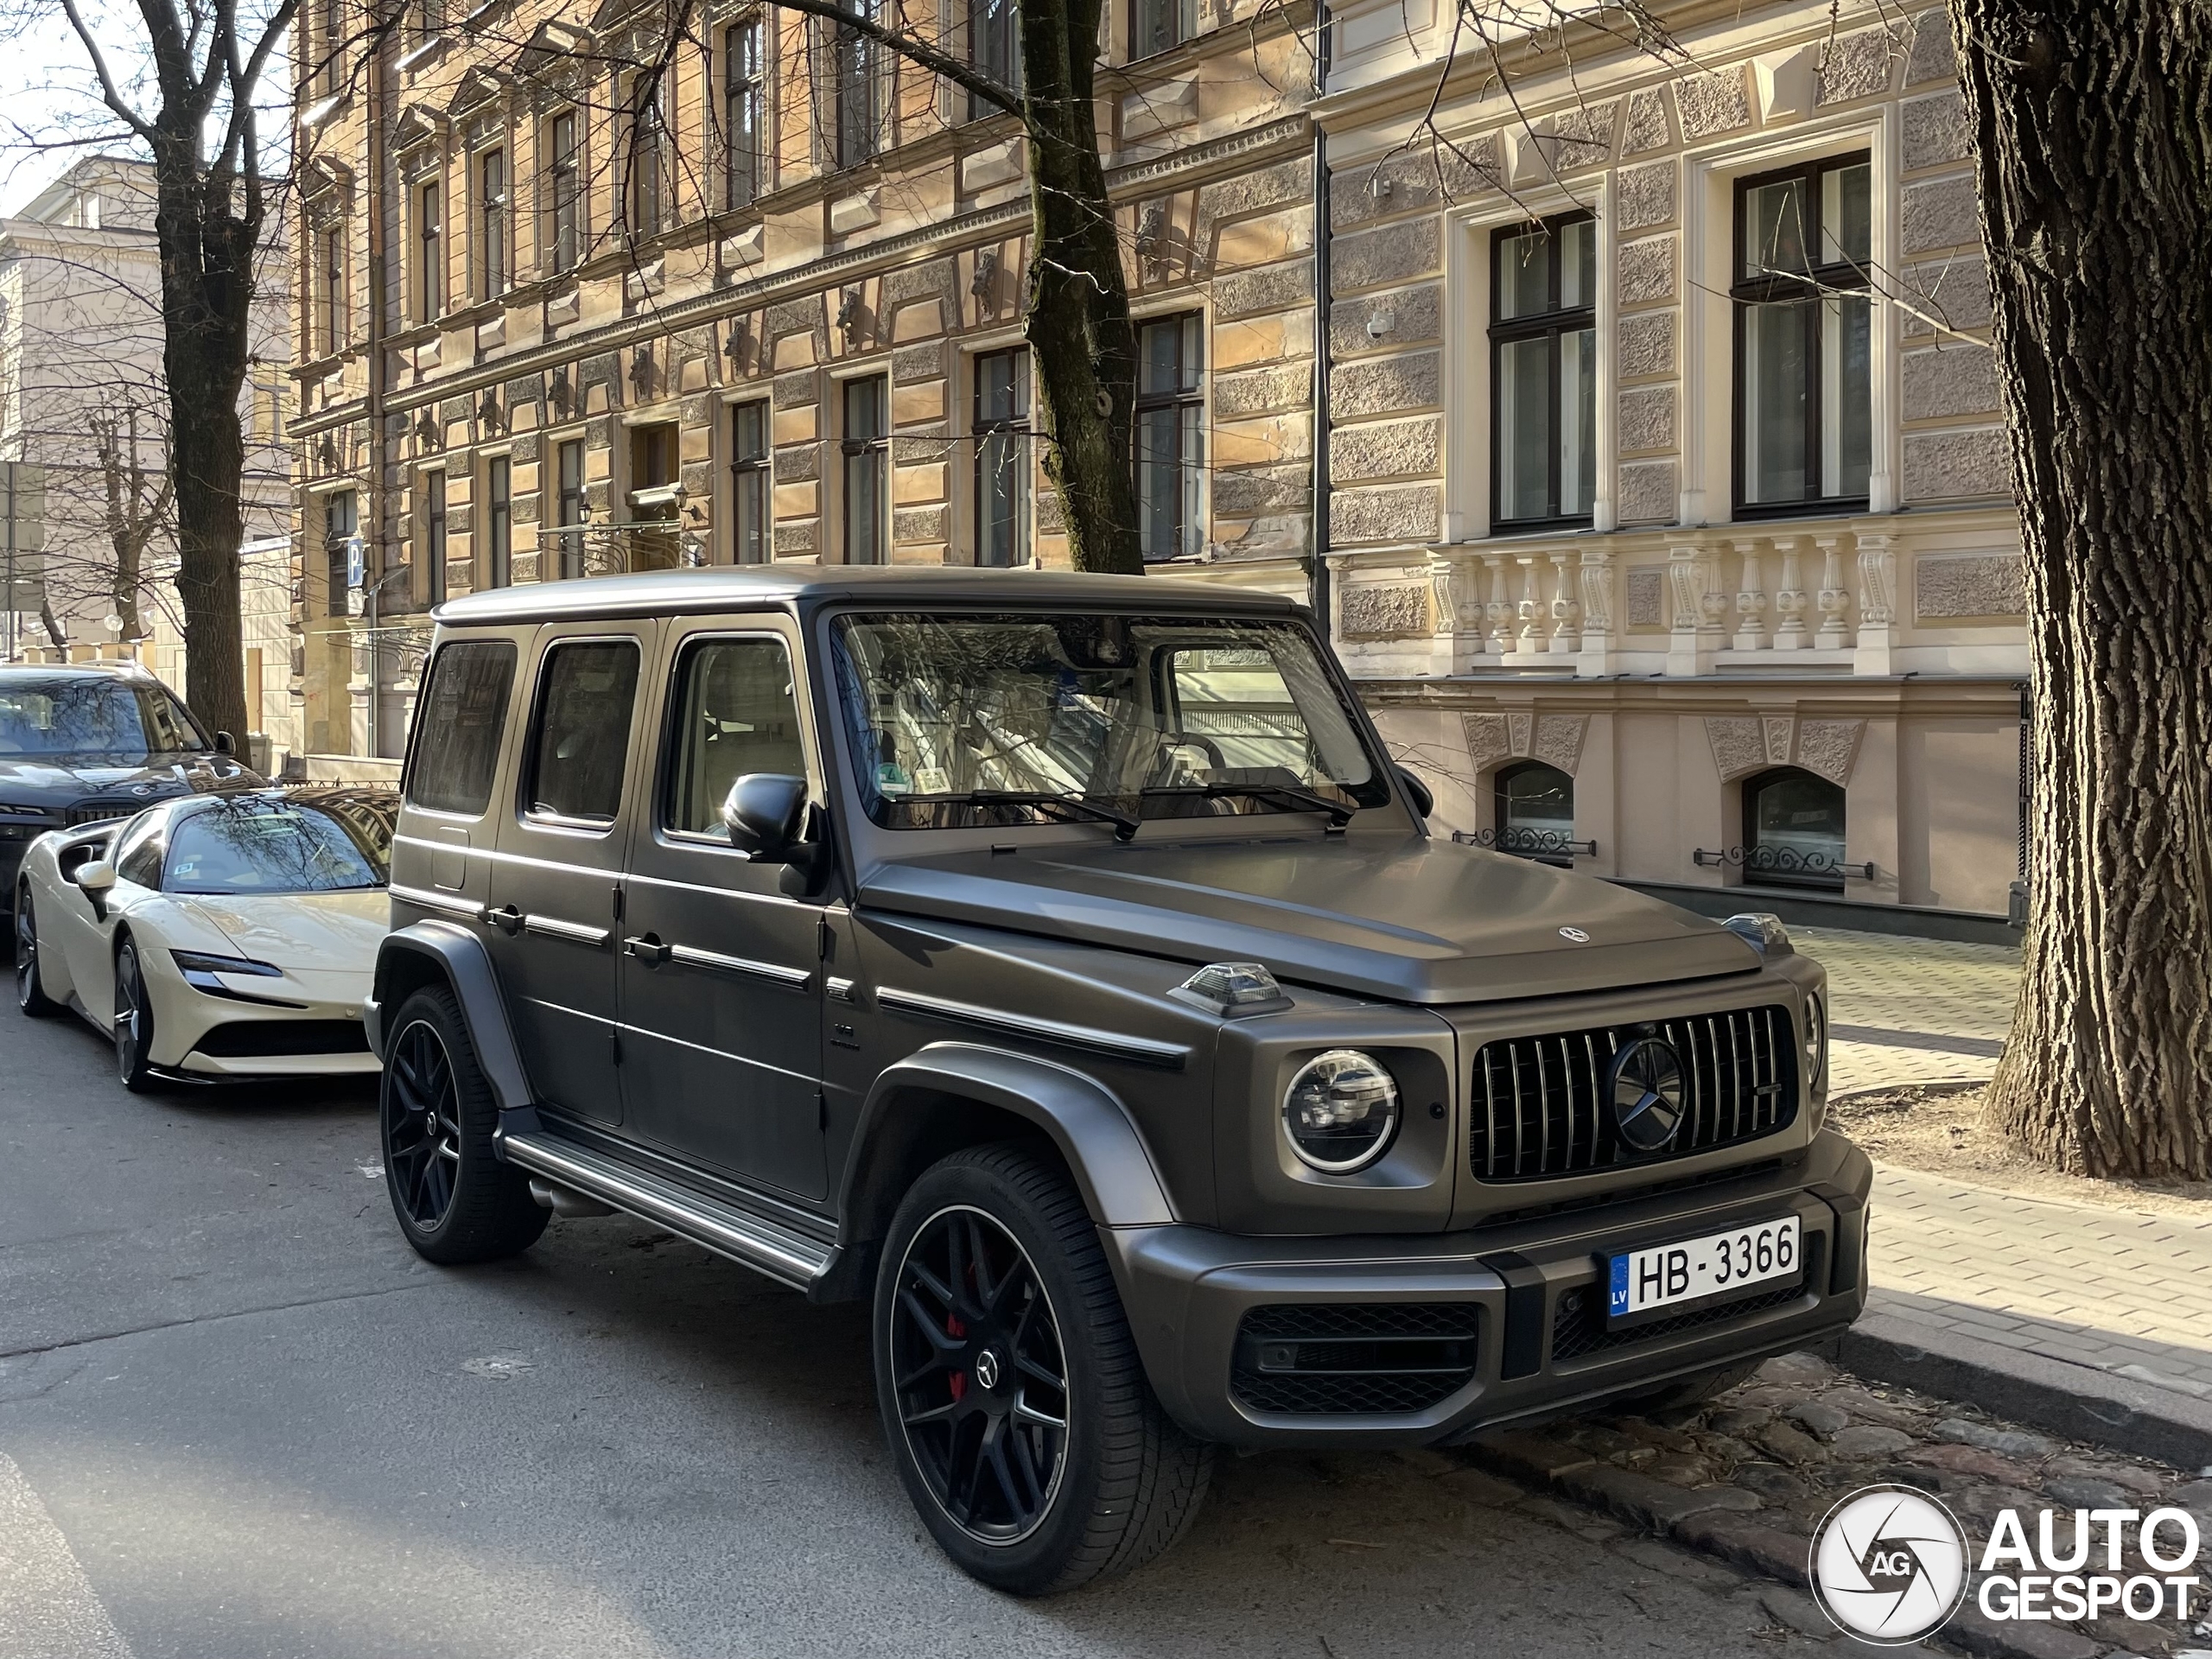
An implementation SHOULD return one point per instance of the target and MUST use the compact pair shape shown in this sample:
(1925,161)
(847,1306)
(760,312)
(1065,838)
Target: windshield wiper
(1125,826)
(1300,800)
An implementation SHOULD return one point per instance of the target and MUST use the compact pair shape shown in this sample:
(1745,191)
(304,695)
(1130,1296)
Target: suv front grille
(1365,1359)
(100,812)
(1539,1106)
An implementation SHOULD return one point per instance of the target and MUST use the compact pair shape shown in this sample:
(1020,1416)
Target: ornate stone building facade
(575,299)
(1671,531)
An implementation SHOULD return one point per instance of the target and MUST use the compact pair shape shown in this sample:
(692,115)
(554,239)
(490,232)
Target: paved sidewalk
(2120,1291)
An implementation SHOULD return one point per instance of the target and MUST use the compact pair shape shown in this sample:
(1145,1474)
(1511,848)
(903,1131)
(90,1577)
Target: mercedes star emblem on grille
(1645,1085)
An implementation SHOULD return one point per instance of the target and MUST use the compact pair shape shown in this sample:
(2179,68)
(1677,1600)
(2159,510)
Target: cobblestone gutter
(1744,1480)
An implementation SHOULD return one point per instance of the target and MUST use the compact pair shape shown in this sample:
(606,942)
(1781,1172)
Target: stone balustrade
(1819,599)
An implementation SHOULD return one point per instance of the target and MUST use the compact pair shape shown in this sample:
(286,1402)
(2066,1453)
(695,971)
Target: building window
(750,482)
(1171,453)
(492,224)
(1160,24)
(646,195)
(1534,809)
(655,539)
(330,326)
(1543,372)
(340,553)
(1804,401)
(866,457)
(745,111)
(430,256)
(1002,435)
(495,570)
(434,537)
(569,506)
(567,191)
(1793,830)
(994,47)
(859,71)
(330,39)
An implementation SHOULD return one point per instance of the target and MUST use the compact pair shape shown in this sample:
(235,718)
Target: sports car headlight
(199,969)
(1340,1111)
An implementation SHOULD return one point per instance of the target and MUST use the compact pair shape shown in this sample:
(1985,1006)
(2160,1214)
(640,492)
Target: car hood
(317,933)
(61,780)
(1417,920)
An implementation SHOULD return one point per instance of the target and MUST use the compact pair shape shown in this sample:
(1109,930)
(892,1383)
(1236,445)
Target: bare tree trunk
(2093,121)
(1078,303)
(206,291)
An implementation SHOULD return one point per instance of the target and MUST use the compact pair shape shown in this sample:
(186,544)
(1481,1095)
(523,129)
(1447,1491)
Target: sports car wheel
(456,1201)
(133,1022)
(30,990)
(1016,1408)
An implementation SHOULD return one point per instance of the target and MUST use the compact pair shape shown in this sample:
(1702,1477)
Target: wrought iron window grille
(1528,844)
(1783,860)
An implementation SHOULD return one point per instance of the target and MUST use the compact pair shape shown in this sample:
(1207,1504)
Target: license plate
(1709,1268)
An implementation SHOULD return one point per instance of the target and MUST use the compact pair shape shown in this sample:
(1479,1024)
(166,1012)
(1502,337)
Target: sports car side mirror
(98,876)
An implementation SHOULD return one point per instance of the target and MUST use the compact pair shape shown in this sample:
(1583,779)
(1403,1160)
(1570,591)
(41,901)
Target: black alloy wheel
(133,1022)
(981,1379)
(453,1198)
(1017,1410)
(421,1126)
(30,989)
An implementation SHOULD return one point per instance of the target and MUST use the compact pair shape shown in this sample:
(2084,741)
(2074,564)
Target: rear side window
(582,740)
(736,713)
(458,727)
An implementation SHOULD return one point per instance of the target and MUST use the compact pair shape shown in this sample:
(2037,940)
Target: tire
(456,1201)
(133,1022)
(30,989)
(963,1364)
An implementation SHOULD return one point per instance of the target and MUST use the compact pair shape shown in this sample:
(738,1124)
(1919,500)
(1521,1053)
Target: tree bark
(206,250)
(2093,126)
(1077,321)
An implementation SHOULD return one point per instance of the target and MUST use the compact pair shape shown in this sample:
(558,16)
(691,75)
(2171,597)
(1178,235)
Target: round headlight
(1340,1110)
(1816,1042)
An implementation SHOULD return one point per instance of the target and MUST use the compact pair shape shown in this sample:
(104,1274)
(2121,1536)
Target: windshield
(1150,716)
(251,844)
(88,713)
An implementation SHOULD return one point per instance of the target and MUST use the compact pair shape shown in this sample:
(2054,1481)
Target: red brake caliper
(954,1328)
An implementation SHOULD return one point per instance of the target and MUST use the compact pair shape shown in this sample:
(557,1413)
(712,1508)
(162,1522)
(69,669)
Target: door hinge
(821,1112)
(614,1044)
(617,892)
(826,937)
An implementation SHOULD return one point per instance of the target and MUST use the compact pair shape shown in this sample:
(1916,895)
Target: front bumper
(1502,1324)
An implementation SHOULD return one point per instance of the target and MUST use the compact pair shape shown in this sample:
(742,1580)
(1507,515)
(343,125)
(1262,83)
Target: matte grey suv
(1060,962)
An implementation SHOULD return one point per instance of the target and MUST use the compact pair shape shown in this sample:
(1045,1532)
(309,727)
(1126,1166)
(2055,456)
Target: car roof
(76,671)
(718,587)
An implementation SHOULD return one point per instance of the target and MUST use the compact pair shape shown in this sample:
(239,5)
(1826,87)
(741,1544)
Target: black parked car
(84,744)
(1061,964)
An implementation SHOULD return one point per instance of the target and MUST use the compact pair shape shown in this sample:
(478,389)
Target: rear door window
(580,748)
(458,726)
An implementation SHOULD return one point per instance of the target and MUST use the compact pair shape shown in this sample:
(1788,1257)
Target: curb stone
(2078,1402)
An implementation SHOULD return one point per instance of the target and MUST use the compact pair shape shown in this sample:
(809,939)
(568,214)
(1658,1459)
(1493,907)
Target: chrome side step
(783,1254)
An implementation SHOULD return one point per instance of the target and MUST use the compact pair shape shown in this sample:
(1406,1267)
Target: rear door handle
(648,949)
(506,918)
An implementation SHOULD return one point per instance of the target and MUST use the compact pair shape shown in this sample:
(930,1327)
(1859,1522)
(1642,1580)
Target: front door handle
(506,918)
(648,949)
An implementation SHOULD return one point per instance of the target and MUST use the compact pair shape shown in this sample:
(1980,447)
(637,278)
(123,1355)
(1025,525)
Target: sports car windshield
(960,720)
(74,715)
(250,844)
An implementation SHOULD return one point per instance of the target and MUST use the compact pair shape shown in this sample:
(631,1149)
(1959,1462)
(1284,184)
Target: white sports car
(214,935)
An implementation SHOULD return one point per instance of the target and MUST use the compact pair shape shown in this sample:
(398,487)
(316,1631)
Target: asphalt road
(237,1418)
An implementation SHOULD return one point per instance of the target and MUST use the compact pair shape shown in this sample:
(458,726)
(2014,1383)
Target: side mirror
(225,744)
(765,813)
(97,877)
(1418,792)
